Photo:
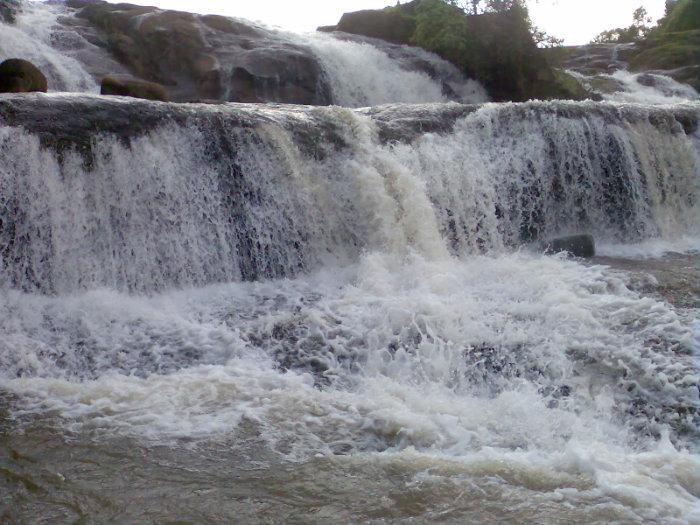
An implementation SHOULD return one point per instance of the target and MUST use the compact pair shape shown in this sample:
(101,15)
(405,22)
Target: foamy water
(361,74)
(358,73)
(36,36)
(641,88)
(525,361)
(355,330)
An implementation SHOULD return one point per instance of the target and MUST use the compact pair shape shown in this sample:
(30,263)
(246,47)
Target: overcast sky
(577,21)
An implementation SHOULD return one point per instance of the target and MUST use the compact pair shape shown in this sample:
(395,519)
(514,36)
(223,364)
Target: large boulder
(592,59)
(393,24)
(210,57)
(133,87)
(495,48)
(576,245)
(21,76)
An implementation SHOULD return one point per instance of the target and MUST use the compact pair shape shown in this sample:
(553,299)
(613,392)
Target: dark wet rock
(402,123)
(21,76)
(71,121)
(132,87)
(8,11)
(576,245)
(394,25)
(689,121)
(648,80)
(593,59)
(605,84)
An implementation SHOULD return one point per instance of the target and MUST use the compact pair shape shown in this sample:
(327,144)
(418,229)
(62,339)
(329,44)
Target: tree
(670,5)
(641,21)
(639,29)
(475,7)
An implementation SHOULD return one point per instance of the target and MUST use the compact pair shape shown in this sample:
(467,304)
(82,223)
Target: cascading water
(360,72)
(205,201)
(240,312)
(369,72)
(644,88)
(36,36)
(344,290)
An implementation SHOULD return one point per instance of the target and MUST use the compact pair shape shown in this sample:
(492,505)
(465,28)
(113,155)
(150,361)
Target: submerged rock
(576,245)
(132,87)
(8,11)
(21,76)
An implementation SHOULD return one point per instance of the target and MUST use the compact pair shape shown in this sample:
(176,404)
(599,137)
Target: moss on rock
(677,53)
(684,17)
(131,87)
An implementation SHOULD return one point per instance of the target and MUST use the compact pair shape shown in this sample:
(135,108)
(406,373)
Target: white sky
(577,21)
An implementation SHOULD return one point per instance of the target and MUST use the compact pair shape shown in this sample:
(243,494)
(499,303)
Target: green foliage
(679,51)
(674,45)
(684,16)
(439,30)
(639,29)
(497,47)
(393,24)
(475,7)
(670,5)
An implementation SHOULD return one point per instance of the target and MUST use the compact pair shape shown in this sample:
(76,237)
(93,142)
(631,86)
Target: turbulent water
(286,314)
(603,70)
(645,88)
(37,37)
(369,72)
(258,298)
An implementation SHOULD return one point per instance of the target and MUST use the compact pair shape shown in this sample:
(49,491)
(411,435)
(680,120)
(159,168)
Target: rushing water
(340,329)
(37,37)
(360,72)
(277,314)
(645,88)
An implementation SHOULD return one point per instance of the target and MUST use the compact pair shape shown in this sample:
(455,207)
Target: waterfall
(207,200)
(327,293)
(359,71)
(37,36)
(372,263)
(368,72)
(644,88)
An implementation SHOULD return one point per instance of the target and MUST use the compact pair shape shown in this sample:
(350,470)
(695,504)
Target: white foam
(458,361)
(633,88)
(664,91)
(37,37)
(361,74)
(650,249)
(400,337)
